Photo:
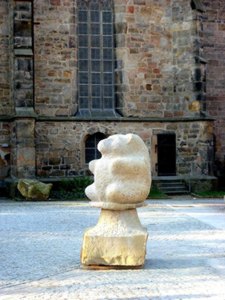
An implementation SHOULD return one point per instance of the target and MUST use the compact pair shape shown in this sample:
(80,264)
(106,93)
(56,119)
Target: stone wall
(5,93)
(55,57)
(144,57)
(154,58)
(189,70)
(23,82)
(161,49)
(23,90)
(60,146)
(213,43)
(23,148)
(5,130)
(5,28)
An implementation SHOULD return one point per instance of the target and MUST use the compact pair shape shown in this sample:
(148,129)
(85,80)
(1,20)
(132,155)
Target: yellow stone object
(33,189)
(194,106)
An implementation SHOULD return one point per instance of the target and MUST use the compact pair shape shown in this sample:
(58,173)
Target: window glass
(95,55)
(82,16)
(95,16)
(91,151)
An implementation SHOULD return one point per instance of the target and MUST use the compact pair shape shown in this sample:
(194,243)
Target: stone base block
(117,240)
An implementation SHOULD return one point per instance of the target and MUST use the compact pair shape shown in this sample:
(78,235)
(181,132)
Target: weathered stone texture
(55,57)
(5,103)
(213,44)
(4,149)
(34,189)
(22,24)
(183,28)
(60,146)
(163,50)
(118,239)
(23,148)
(144,58)
(23,82)
(23,54)
(154,58)
(4,133)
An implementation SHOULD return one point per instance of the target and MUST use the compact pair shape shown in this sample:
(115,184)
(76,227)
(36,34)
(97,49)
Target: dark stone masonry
(73,72)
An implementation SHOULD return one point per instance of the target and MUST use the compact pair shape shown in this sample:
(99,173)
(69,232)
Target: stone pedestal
(117,240)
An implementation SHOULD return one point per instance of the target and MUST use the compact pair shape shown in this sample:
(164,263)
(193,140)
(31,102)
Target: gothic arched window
(95,58)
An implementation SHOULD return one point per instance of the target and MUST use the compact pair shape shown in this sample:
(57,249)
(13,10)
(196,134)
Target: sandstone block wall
(153,51)
(168,55)
(4,149)
(60,146)
(144,57)
(23,148)
(55,57)
(5,27)
(5,93)
(23,85)
(213,44)
(189,69)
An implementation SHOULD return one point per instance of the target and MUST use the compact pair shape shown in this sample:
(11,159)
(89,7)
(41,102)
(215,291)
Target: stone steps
(173,186)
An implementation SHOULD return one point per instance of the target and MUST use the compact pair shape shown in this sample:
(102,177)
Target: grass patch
(71,189)
(155,193)
(210,194)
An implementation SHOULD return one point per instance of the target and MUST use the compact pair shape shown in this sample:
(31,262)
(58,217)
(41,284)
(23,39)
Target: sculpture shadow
(175,263)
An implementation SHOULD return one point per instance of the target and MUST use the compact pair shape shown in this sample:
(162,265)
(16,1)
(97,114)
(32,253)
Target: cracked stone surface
(41,242)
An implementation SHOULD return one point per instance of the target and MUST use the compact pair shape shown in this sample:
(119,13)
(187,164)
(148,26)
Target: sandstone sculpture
(122,179)
(33,189)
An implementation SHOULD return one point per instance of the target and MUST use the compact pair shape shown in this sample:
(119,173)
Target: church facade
(73,72)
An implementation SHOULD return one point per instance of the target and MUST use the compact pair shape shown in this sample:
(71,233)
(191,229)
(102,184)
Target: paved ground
(40,248)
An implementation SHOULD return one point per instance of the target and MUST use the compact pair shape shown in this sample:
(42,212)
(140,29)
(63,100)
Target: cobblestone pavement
(40,252)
